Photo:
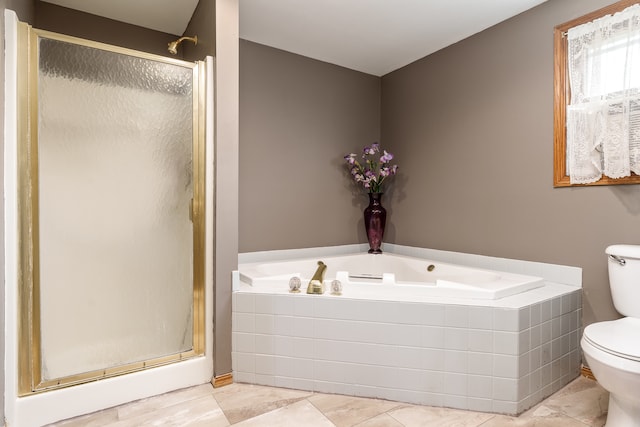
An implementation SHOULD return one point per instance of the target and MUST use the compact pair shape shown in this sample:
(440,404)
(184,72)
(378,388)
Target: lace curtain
(603,116)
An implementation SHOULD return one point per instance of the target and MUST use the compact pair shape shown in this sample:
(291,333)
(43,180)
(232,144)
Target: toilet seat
(616,337)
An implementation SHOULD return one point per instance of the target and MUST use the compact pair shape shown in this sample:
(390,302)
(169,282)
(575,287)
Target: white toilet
(612,348)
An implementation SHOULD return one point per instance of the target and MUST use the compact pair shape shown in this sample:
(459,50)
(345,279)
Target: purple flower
(373,169)
(386,158)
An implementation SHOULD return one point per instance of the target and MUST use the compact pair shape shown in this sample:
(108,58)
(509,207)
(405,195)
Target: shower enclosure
(111,224)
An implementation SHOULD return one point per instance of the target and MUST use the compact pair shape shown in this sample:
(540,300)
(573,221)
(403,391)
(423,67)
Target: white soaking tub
(390,277)
(412,325)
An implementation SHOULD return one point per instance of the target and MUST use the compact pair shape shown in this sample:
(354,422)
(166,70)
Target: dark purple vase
(375,217)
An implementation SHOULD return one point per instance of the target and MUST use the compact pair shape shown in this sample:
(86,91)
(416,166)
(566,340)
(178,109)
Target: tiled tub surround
(500,356)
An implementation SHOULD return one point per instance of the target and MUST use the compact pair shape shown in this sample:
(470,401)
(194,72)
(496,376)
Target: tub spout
(316,285)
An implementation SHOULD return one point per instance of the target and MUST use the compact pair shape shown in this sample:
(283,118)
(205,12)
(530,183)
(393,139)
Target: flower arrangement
(375,168)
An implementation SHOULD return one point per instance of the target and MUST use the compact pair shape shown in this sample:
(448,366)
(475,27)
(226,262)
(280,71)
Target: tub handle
(618,259)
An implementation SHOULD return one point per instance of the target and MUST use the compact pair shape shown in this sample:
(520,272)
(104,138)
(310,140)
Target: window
(597,97)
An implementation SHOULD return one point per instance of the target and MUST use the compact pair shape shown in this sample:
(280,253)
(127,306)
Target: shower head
(173,46)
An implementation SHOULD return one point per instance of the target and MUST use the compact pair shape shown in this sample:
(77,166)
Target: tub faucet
(316,285)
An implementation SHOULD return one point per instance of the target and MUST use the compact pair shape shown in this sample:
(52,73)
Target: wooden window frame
(562,94)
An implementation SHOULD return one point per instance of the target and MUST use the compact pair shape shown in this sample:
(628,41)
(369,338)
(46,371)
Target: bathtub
(390,276)
(472,332)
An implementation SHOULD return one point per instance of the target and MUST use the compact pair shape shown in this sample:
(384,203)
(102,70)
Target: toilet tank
(624,278)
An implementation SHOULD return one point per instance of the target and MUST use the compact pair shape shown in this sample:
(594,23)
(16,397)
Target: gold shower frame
(30,379)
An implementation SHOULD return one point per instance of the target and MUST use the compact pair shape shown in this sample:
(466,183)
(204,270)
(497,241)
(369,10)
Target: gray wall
(472,128)
(298,118)
(71,22)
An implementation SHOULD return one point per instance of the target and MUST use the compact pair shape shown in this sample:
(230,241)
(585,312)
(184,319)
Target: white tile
(244,343)
(524,318)
(545,375)
(264,344)
(556,307)
(433,382)
(332,308)
(433,315)
(524,338)
(263,303)
(456,338)
(545,354)
(303,348)
(545,332)
(505,389)
(406,379)
(283,304)
(556,328)
(505,342)
(433,359)
(481,318)
(545,311)
(243,362)
(505,366)
(480,341)
(480,386)
(505,320)
(294,383)
(263,324)
(535,381)
(245,302)
(408,335)
(455,361)
(455,384)
(268,380)
(566,322)
(535,314)
(410,314)
(433,399)
(407,357)
(504,407)
(303,307)
(329,350)
(244,377)
(456,316)
(455,401)
(283,325)
(327,371)
(265,364)
(244,322)
(433,336)
(303,327)
(534,337)
(480,363)
(282,345)
(524,365)
(298,368)
(534,359)
(479,405)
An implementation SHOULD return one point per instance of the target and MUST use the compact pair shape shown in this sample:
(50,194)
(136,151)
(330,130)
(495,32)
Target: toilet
(612,348)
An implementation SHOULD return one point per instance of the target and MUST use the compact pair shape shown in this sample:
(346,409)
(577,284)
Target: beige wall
(472,128)
(298,118)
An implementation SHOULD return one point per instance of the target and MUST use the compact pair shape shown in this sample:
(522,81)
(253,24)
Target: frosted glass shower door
(116,178)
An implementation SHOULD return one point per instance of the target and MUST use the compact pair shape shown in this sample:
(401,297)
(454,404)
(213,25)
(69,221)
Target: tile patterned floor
(581,403)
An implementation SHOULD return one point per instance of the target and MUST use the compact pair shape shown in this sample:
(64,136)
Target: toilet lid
(620,337)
